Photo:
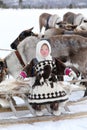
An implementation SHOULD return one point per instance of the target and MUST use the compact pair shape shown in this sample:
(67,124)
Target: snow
(12,23)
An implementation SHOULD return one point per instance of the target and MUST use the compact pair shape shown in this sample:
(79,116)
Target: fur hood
(38,48)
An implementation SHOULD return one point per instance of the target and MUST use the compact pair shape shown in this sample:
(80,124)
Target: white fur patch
(53,20)
(13,85)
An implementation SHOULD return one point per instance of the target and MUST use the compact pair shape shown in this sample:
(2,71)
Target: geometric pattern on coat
(45,72)
(47,94)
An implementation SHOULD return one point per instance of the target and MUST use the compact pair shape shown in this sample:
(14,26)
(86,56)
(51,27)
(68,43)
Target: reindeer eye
(85,21)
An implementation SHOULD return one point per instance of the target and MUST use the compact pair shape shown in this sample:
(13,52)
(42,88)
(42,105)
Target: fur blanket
(39,94)
(13,86)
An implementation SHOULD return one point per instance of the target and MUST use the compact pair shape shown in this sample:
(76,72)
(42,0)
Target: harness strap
(20,58)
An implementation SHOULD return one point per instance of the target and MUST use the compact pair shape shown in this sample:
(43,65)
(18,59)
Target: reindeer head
(21,37)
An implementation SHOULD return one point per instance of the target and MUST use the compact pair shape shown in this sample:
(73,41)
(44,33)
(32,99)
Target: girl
(43,67)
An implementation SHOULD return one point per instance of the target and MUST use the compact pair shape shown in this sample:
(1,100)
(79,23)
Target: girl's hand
(22,76)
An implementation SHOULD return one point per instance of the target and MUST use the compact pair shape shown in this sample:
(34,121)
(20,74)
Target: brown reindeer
(76,19)
(48,21)
(69,17)
(69,47)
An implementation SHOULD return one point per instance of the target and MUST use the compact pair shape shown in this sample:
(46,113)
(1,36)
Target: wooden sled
(18,88)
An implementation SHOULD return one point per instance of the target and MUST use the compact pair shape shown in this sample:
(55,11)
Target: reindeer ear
(31,28)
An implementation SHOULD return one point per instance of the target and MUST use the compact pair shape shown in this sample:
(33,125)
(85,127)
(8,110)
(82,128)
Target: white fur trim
(46,94)
(38,48)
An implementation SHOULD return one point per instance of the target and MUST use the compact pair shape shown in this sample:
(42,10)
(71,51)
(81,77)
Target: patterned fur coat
(47,72)
(45,68)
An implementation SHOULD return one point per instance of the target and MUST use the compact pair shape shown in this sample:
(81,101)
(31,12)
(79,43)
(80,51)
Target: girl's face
(44,50)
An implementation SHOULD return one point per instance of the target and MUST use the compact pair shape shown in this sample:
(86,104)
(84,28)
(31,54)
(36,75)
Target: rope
(5,50)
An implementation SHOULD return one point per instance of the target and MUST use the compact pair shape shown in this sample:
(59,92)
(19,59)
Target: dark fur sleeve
(60,67)
(29,69)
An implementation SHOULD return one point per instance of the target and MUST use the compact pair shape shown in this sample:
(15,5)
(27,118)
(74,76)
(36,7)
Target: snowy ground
(12,23)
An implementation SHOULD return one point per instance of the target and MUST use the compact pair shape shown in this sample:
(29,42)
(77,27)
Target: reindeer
(76,19)
(65,48)
(48,21)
